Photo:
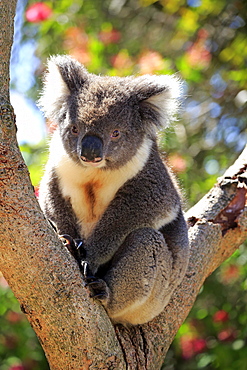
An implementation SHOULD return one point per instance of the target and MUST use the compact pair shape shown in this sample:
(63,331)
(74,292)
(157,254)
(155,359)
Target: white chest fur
(92,189)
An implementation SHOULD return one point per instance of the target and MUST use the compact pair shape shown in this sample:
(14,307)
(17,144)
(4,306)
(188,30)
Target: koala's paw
(74,246)
(97,287)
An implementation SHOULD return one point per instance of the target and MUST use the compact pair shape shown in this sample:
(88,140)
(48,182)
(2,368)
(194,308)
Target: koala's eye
(74,130)
(115,134)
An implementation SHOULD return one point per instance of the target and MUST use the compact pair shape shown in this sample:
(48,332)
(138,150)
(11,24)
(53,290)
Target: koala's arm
(56,208)
(176,237)
(148,200)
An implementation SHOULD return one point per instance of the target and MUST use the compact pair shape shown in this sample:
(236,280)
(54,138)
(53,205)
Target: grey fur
(125,207)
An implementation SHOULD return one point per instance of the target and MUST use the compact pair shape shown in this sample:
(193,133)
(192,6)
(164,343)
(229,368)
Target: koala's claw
(97,287)
(69,242)
(74,246)
(102,296)
(85,270)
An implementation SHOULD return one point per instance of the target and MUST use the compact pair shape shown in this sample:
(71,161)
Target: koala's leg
(139,278)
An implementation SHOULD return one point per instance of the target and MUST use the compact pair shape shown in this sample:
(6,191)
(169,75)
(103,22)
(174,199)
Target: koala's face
(102,126)
(103,121)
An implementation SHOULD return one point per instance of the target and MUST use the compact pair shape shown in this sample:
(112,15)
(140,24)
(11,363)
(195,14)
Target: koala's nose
(91,149)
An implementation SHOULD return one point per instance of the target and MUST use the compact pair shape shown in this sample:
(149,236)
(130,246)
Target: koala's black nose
(91,149)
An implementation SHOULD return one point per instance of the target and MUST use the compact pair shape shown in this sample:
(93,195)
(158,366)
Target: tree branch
(7,9)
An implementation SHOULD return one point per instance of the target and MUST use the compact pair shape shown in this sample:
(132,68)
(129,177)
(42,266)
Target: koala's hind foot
(97,287)
(139,278)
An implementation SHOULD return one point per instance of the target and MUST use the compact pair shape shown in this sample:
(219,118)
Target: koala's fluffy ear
(64,75)
(159,97)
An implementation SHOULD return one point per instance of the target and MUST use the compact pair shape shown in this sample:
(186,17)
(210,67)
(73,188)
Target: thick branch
(7,11)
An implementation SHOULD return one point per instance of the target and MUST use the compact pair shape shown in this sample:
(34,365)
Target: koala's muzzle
(91,149)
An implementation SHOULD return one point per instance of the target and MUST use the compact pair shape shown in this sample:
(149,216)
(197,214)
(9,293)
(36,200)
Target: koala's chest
(89,201)
(90,193)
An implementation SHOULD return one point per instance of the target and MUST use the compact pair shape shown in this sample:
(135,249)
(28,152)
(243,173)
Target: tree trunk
(75,331)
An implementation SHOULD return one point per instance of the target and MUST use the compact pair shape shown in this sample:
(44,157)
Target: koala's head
(103,121)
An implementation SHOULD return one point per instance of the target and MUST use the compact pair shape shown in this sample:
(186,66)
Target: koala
(106,185)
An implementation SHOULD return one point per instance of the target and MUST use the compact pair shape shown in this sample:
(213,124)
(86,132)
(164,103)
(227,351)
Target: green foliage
(205,42)
(35,157)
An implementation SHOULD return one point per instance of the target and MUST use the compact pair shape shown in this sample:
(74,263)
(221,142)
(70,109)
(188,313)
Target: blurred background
(204,42)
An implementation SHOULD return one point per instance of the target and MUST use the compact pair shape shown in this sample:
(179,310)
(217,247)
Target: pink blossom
(191,346)
(36,191)
(227,335)
(221,316)
(16,367)
(111,36)
(38,12)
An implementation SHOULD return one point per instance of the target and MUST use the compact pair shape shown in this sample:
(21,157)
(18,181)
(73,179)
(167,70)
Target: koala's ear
(64,75)
(159,97)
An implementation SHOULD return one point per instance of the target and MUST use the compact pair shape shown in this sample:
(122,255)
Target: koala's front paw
(97,287)
(74,246)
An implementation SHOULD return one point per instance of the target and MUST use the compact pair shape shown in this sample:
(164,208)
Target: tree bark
(74,330)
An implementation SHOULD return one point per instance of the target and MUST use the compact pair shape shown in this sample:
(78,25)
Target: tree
(74,331)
